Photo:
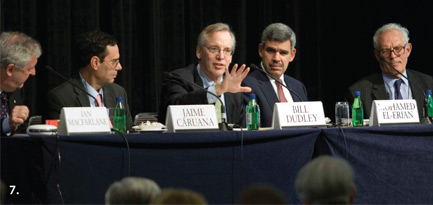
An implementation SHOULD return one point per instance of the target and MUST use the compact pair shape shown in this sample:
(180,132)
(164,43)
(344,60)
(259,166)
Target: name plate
(392,112)
(191,117)
(298,114)
(76,120)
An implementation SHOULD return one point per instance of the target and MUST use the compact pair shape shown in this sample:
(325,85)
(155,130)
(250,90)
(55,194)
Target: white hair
(390,27)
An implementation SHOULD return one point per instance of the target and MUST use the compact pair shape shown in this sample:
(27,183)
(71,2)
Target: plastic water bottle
(253,113)
(119,116)
(429,103)
(357,111)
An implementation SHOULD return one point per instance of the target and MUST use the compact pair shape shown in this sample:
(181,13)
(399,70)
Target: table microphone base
(222,126)
(425,121)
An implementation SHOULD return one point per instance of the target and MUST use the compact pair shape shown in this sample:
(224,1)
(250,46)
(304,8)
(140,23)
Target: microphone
(276,80)
(223,124)
(72,83)
(424,119)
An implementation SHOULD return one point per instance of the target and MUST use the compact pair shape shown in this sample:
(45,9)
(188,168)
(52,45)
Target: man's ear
(260,49)
(9,68)
(198,52)
(94,62)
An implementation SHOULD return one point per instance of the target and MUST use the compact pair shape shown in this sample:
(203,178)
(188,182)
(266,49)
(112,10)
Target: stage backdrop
(334,38)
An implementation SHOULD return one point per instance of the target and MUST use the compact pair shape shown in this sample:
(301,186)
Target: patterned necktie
(397,85)
(4,105)
(280,91)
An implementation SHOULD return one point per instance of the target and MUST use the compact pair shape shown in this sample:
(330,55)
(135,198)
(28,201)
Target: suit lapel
(197,78)
(417,93)
(108,96)
(82,97)
(379,90)
(228,100)
(268,90)
(289,85)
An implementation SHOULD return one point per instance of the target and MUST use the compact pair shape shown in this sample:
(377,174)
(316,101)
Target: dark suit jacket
(266,96)
(14,98)
(66,95)
(373,88)
(177,92)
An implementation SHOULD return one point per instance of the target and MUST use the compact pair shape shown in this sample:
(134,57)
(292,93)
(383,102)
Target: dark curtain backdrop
(334,47)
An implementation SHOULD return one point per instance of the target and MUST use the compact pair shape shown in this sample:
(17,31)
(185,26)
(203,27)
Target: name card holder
(298,114)
(78,120)
(393,112)
(191,117)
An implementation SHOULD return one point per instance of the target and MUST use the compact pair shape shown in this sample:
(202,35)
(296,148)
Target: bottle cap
(252,96)
(428,92)
(119,99)
(357,93)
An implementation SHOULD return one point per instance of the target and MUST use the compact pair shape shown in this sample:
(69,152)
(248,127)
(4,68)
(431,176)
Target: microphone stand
(424,118)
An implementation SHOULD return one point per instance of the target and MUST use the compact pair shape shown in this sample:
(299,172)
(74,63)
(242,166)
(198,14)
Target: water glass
(342,114)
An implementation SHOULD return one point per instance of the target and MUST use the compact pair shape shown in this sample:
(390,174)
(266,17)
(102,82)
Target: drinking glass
(342,113)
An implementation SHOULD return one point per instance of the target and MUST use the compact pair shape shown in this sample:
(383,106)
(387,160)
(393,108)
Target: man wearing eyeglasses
(392,50)
(19,54)
(277,50)
(215,48)
(98,59)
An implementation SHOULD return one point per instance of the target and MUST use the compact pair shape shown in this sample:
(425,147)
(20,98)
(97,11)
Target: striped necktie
(397,85)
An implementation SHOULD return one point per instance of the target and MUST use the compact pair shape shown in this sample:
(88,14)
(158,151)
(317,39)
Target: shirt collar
(90,89)
(207,82)
(391,80)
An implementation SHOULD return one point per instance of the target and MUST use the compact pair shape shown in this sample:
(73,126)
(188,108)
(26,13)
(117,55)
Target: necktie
(218,110)
(280,91)
(397,85)
(4,105)
(99,101)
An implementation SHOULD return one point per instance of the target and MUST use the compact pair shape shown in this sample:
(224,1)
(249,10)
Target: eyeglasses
(215,50)
(398,51)
(114,63)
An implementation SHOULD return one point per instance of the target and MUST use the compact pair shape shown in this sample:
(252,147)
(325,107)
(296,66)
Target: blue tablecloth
(392,165)
(216,164)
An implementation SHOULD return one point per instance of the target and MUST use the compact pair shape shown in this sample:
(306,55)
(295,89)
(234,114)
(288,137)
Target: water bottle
(429,103)
(357,111)
(253,113)
(120,116)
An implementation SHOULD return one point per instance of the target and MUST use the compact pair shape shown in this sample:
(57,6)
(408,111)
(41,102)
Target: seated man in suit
(392,50)
(277,50)
(19,54)
(215,48)
(98,59)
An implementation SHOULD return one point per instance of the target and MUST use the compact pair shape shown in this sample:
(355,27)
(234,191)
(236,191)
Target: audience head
(391,44)
(179,196)
(98,56)
(326,180)
(277,48)
(132,190)
(19,54)
(261,194)
(215,47)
